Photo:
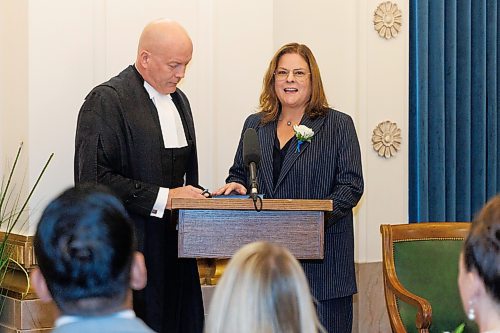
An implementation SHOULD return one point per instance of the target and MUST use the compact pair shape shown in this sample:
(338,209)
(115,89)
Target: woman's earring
(471,314)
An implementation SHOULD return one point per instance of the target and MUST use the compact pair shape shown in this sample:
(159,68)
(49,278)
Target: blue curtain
(454,123)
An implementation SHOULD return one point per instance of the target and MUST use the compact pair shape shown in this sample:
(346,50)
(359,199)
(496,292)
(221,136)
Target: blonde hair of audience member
(262,290)
(479,271)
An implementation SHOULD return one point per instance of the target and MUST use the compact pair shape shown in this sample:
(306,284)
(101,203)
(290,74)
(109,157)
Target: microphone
(251,157)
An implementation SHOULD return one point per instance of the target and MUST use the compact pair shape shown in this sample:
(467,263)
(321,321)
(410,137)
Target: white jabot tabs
(170,120)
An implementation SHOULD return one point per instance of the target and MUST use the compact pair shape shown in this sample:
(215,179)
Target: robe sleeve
(101,151)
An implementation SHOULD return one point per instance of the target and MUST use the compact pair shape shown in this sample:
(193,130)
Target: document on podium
(236,196)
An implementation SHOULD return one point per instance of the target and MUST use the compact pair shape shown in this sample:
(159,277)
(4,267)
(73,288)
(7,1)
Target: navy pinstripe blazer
(328,167)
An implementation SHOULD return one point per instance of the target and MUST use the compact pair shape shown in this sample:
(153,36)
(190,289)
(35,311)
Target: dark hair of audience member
(84,246)
(482,247)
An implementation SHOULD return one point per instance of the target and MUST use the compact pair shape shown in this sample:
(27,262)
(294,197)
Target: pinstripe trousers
(336,314)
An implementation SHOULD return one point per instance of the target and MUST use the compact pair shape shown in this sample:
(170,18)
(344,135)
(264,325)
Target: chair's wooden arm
(395,289)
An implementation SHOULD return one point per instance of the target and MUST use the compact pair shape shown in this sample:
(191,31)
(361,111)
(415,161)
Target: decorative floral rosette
(387,20)
(386,139)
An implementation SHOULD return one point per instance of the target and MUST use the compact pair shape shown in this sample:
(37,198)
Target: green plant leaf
(460,328)
(12,207)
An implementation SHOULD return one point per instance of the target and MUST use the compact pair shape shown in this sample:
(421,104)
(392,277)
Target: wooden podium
(216,228)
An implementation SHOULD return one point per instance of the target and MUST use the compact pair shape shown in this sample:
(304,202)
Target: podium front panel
(220,233)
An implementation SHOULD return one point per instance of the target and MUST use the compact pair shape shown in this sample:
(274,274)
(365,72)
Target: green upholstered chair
(420,266)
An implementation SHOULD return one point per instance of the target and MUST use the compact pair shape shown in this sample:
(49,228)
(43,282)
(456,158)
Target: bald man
(136,135)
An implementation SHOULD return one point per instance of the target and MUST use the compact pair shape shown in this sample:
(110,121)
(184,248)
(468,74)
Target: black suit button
(137,186)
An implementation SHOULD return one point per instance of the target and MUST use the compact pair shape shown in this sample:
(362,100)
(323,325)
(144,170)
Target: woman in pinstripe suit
(326,167)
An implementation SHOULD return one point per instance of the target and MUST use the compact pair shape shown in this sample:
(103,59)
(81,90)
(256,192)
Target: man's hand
(184,192)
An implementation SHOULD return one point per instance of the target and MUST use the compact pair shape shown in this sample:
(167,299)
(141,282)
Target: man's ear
(40,285)
(138,273)
(144,58)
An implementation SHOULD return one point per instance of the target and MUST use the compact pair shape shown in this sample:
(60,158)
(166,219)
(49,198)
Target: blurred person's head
(85,249)
(263,289)
(293,80)
(479,268)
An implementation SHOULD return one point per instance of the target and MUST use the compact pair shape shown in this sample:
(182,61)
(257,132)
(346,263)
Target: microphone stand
(254,193)
(255,197)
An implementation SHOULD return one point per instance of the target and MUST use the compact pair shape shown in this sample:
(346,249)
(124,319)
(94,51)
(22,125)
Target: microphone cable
(256,198)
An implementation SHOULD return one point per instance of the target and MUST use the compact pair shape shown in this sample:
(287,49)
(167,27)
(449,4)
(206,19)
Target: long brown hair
(269,102)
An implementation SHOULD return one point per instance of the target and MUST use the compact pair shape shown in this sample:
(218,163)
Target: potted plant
(12,212)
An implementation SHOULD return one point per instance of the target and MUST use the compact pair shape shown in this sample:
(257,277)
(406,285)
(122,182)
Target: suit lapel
(292,155)
(267,135)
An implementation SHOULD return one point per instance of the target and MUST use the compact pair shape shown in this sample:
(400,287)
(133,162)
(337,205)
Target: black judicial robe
(119,144)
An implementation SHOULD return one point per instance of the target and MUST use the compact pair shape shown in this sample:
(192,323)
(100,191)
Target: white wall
(13,93)
(243,46)
(382,92)
(64,48)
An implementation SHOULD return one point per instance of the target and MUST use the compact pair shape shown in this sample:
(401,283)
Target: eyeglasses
(298,74)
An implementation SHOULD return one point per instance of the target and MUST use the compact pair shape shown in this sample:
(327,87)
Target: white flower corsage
(303,134)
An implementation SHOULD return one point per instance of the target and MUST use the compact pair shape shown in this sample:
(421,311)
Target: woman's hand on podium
(231,188)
